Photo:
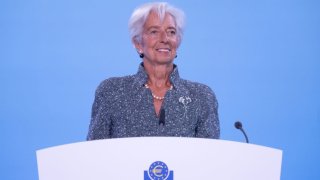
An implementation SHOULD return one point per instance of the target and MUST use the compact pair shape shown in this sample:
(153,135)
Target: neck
(158,75)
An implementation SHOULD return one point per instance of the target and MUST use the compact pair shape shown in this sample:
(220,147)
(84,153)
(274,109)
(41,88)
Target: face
(159,39)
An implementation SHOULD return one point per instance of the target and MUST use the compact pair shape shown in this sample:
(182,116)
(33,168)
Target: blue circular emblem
(158,171)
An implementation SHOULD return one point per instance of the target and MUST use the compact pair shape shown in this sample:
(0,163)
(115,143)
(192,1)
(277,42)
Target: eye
(153,32)
(171,32)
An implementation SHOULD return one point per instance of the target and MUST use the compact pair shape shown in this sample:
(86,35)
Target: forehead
(153,20)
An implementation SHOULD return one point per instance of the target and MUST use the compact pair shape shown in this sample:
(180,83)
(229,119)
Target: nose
(163,36)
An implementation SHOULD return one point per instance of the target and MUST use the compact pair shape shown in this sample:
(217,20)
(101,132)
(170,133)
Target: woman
(155,101)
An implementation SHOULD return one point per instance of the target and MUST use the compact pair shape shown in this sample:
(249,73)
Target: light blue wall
(262,58)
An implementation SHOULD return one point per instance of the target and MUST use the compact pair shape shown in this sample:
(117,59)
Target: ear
(137,45)
(179,42)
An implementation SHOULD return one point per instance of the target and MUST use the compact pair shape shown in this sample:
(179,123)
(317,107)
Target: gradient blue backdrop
(262,58)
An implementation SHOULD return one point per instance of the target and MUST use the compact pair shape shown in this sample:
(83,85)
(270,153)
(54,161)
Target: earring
(141,55)
(176,56)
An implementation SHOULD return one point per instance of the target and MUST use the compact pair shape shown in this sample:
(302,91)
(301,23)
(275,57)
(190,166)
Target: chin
(166,61)
(165,58)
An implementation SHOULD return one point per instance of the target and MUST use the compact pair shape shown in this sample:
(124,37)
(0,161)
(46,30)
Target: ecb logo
(158,171)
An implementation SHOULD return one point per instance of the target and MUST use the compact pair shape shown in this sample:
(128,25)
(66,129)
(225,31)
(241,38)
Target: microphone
(162,117)
(238,125)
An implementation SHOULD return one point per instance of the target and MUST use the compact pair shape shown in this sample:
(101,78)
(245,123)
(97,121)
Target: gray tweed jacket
(123,107)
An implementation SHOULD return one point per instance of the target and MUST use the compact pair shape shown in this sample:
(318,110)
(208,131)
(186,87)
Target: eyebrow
(172,28)
(157,27)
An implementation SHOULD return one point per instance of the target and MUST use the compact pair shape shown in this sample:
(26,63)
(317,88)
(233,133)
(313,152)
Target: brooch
(185,100)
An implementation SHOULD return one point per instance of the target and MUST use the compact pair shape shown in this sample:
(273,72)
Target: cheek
(146,42)
(175,46)
(175,43)
(149,44)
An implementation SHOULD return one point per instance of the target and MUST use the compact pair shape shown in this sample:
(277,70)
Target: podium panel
(159,158)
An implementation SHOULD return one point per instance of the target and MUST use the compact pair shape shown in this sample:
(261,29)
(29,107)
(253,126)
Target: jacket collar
(141,77)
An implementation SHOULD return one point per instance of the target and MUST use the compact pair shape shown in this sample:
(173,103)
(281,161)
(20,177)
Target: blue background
(262,58)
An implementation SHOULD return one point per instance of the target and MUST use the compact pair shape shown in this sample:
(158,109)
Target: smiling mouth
(163,50)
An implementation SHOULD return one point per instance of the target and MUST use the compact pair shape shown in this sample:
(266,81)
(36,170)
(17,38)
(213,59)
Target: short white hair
(140,15)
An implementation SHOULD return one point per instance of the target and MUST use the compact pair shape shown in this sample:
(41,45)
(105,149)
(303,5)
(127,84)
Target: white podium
(159,158)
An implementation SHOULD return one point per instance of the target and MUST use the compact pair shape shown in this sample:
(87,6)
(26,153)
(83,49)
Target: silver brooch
(185,100)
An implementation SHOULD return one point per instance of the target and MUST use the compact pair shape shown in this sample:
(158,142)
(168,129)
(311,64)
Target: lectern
(159,158)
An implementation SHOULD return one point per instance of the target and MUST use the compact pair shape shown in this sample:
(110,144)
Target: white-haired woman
(155,101)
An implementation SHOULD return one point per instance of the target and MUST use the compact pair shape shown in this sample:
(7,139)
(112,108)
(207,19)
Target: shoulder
(196,87)
(114,84)
(115,81)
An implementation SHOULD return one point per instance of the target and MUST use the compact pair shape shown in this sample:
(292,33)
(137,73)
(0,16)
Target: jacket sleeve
(208,125)
(100,125)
